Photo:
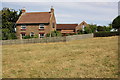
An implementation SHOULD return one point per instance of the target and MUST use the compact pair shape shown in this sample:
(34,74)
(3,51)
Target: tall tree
(100,28)
(116,23)
(93,27)
(9,18)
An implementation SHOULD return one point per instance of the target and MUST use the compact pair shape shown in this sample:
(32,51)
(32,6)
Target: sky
(94,12)
(119,8)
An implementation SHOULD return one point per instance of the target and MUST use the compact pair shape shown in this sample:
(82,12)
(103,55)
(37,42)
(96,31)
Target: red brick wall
(79,27)
(32,28)
(35,28)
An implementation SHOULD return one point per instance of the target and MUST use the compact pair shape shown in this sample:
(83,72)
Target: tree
(87,30)
(100,28)
(9,18)
(93,27)
(116,23)
(108,28)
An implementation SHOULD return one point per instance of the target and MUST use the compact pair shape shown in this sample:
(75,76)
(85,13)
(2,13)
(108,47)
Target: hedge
(105,34)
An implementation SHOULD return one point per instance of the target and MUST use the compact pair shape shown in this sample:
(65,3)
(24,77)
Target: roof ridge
(76,23)
(37,12)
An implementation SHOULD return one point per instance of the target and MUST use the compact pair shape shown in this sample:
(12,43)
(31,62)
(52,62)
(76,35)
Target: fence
(47,40)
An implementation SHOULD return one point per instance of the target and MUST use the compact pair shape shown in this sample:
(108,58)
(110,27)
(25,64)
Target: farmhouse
(70,28)
(35,23)
(66,28)
(41,23)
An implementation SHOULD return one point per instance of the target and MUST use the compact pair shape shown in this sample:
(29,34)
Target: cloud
(73,12)
(60,1)
(102,13)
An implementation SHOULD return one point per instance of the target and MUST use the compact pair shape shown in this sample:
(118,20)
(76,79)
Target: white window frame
(31,34)
(41,36)
(23,26)
(22,35)
(83,27)
(41,26)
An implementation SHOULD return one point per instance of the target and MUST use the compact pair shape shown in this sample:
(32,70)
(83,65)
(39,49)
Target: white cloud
(74,12)
(60,0)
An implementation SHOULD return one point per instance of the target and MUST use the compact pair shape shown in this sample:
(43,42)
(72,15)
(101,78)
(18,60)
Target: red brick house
(35,23)
(81,26)
(66,28)
(70,28)
(41,23)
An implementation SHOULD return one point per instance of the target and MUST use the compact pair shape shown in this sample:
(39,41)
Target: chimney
(52,10)
(23,10)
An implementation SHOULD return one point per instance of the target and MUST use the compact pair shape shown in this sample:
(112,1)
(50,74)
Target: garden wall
(78,37)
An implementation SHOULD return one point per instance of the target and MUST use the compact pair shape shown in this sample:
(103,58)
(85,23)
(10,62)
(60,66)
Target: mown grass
(88,58)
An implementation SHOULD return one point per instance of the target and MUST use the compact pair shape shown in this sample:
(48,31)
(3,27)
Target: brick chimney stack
(52,9)
(23,10)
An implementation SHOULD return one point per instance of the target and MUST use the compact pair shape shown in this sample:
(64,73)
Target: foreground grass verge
(88,58)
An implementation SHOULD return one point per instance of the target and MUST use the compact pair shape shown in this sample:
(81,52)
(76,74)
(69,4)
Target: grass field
(87,58)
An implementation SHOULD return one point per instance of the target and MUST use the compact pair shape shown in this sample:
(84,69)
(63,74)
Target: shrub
(67,34)
(54,34)
(87,30)
(105,34)
(27,37)
(48,35)
(12,36)
(93,27)
(100,28)
(80,31)
(36,36)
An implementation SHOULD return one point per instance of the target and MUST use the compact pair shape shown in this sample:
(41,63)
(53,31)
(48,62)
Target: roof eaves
(19,18)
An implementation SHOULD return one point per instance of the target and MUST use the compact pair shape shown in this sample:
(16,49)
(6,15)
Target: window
(23,35)
(23,26)
(41,26)
(31,34)
(83,27)
(41,35)
(53,25)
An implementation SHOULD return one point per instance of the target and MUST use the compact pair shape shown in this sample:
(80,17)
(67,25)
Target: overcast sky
(100,13)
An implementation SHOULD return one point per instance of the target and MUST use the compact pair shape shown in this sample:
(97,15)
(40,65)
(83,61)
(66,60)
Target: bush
(54,34)
(6,34)
(36,36)
(67,34)
(87,30)
(105,34)
(100,28)
(80,31)
(48,35)
(93,27)
(12,36)
(27,37)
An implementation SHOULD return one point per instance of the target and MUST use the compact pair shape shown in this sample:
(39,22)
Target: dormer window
(23,26)
(41,26)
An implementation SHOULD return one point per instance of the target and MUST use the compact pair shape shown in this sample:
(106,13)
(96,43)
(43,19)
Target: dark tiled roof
(34,17)
(66,26)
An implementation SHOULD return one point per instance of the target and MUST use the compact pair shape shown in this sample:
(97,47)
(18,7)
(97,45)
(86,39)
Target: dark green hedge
(105,34)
